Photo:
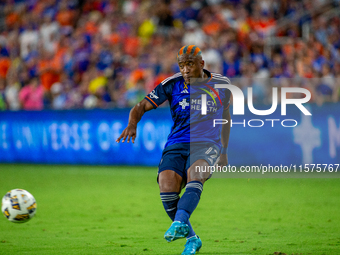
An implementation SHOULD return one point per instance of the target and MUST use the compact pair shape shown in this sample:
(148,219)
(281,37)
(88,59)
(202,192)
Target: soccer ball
(18,205)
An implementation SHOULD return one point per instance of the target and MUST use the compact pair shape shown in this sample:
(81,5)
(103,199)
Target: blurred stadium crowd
(71,54)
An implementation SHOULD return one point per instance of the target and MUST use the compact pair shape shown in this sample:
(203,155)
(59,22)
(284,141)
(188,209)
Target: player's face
(191,67)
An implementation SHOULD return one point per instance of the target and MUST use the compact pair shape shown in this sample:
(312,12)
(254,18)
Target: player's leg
(186,205)
(170,187)
(193,190)
(189,201)
(201,157)
(170,178)
(171,173)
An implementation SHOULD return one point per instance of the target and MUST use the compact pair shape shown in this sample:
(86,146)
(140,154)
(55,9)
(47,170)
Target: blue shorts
(180,156)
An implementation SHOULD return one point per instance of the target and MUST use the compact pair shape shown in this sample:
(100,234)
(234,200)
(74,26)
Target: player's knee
(198,176)
(169,181)
(169,186)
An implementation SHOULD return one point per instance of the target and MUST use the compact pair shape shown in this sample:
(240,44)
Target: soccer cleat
(192,245)
(176,231)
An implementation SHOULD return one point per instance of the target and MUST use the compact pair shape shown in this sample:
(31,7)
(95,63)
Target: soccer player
(193,142)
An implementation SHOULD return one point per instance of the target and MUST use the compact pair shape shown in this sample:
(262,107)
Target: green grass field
(117,210)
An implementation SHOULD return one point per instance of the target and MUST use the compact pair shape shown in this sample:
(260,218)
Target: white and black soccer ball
(18,206)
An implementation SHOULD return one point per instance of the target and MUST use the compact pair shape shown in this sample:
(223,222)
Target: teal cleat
(193,244)
(176,231)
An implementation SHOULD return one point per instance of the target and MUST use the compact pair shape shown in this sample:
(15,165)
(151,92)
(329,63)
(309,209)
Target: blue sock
(170,201)
(191,230)
(189,201)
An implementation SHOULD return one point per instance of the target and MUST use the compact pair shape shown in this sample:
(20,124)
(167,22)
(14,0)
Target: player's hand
(223,160)
(128,133)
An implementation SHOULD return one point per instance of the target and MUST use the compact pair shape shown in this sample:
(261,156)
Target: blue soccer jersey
(190,125)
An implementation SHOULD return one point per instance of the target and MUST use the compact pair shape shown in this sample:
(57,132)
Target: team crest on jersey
(213,93)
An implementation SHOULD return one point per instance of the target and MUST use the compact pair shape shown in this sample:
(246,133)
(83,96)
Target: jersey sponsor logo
(213,93)
(153,95)
(184,103)
(185,91)
(196,104)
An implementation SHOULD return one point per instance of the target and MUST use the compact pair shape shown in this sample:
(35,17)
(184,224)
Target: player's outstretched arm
(225,138)
(135,116)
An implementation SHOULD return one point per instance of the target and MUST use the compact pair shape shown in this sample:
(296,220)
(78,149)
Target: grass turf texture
(117,210)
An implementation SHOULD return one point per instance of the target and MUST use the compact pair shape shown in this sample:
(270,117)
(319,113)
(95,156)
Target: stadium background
(75,55)
(71,70)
